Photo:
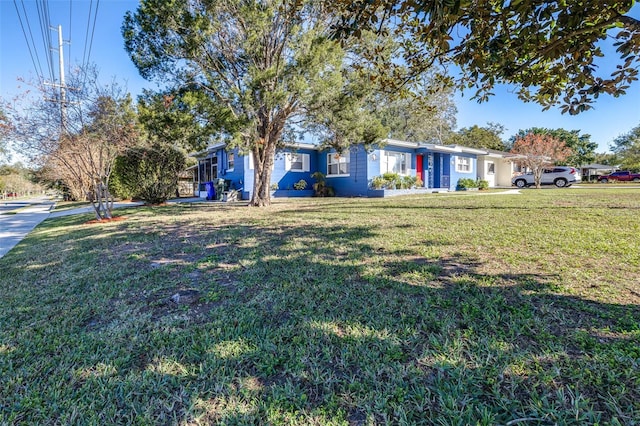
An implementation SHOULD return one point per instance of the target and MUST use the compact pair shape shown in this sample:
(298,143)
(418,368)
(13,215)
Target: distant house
(350,173)
(496,167)
(592,171)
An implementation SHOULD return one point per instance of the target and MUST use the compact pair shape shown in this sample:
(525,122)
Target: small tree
(536,152)
(79,138)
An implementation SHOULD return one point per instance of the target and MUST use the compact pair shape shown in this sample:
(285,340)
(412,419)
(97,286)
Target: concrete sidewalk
(89,209)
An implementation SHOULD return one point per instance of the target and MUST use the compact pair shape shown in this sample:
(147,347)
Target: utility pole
(63,86)
(63,89)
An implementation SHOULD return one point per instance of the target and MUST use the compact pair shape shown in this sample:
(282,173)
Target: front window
(230,160)
(337,165)
(395,162)
(297,162)
(463,164)
(491,168)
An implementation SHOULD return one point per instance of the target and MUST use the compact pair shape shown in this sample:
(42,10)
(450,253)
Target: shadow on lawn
(310,325)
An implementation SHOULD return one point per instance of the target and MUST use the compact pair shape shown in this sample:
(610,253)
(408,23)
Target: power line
(44,30)
(43,17)
(89,40)
(70,21)
(32,53)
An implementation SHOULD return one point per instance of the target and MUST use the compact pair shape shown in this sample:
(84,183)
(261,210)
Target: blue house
(350,174)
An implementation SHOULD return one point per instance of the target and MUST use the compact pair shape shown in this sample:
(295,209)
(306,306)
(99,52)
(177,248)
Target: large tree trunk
(270,130)
(263,158)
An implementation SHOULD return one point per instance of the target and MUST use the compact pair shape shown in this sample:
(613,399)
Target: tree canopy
(425,117)
(627,149)
(550,49)
(487,137)
(5,130)
(581,146)
(261,64)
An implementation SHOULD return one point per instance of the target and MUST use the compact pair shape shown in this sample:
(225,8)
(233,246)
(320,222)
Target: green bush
(148,173)
(482,184)
(300,185)
(466,183)
(378,182)
(395,181)
(408,182)
(320,188)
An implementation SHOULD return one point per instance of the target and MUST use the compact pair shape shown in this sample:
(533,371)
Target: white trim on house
(440,148)
(403,144)
(208,149)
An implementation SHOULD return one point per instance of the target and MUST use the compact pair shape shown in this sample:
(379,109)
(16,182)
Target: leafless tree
(78,135)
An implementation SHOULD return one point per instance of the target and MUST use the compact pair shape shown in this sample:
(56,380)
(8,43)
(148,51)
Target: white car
(560,176)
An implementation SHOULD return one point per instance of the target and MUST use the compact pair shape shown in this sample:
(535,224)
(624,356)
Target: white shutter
(287,161)
(251,161)
(305,163)
(384,167)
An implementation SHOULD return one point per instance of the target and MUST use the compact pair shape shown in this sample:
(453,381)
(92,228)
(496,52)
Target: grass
(435,309)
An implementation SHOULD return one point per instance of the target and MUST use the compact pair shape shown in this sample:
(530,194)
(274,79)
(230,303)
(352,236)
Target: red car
(623,176)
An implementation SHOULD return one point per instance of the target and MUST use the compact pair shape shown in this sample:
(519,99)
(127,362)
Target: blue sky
(611,117)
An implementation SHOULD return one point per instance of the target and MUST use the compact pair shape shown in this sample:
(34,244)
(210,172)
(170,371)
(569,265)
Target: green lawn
(439,309)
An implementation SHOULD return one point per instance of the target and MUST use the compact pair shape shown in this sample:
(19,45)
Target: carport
(592,171)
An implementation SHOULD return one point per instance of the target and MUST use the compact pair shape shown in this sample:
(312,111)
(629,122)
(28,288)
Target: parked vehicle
(622,176)
(560,176)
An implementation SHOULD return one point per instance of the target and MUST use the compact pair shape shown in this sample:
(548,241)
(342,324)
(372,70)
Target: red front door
(419,171)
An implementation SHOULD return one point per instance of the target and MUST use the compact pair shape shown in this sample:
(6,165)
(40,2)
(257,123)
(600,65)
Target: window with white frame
(395,162)
(337,165)
(296,162)
(463,164)
(491,168)
(231,159)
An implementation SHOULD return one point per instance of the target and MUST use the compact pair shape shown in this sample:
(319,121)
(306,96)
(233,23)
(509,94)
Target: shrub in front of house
(378,182)
(149,173)
(300,185)
(465,184)
(320,188)
(392,180)
(395,181)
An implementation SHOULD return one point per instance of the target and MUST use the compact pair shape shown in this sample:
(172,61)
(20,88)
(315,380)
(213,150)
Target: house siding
(456,175)
(236,175)
(356,183)
(287,178)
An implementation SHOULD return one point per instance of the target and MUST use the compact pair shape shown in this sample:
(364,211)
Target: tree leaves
(549,49)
